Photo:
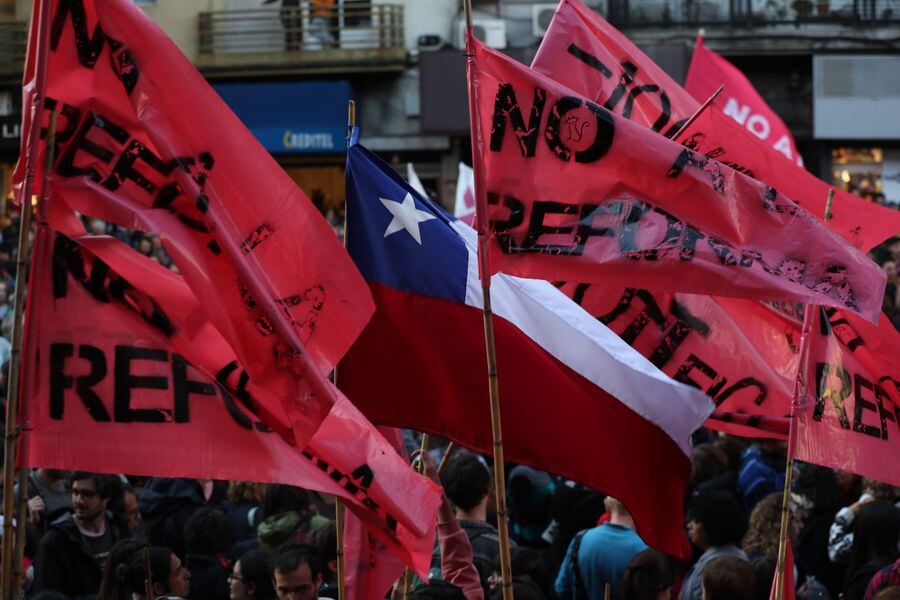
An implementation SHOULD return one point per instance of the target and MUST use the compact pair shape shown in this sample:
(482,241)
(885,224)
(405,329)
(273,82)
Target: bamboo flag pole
(25,425)
(799,393)
(451,448)
(148,574)
(699,112)
(493,384)
(338,503)
(42,23)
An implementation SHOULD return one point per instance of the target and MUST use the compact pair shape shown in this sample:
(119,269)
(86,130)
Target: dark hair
(111,588)
(723,518)
(282,498)
(876,530)
(530,563)
(324,538)
(107,486)
(438,589)
(728,578)
(49,595)
(131,574)
(648,574)
(467,480)
(764,571)
(708,463)
(291,557)
(255,570)
(207,531)
(523,589)
(820,486)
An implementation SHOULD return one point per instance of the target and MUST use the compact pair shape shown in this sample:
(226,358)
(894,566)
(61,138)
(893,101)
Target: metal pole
(699,112)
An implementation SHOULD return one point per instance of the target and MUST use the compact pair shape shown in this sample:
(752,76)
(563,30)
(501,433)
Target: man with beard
(71,556)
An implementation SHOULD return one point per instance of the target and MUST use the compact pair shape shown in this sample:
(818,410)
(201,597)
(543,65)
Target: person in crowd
(72,554)
(728,578)
(651,575)
(467,482)
(131,511)
(251,578)
(530,494)
(207,535)
(244,509)
(762,470)
(325,540)
(296,572)
(732,448)
(876,533)
(167,504)
(840,535)
(531,564)
(818,490)
(886,578)
(764,528)
(437,589)
(575,508)
(598,557)
(169,580)
(48,496)
(114,586)
(288,516)
(708,463)
(716,525)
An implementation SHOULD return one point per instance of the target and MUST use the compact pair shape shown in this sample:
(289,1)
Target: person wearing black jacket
(167,504)
(71,555)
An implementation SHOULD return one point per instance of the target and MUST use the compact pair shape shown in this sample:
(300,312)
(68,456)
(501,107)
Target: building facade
(288,68)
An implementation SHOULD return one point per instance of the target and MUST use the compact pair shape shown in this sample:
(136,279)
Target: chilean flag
(575,399)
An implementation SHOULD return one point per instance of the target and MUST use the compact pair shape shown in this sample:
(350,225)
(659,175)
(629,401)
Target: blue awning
(295,117)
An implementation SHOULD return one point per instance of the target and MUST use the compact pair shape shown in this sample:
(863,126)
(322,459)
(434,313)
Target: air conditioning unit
(490,31)
(541,15)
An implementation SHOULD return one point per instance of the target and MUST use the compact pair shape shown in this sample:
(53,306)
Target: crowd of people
(125,538)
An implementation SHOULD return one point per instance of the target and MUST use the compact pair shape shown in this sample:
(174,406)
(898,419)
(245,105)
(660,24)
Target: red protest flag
(577,193)
(588,55)
(849,412)
(742,354)
(264,264)
(739,100)
(125,374)
(370,567)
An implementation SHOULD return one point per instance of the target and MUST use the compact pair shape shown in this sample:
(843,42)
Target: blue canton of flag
(396,236)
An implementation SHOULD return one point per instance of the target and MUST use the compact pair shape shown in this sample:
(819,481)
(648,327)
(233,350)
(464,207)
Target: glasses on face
(233,577)
(86,494)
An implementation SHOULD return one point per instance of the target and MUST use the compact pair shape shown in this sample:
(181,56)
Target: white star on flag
(406,216)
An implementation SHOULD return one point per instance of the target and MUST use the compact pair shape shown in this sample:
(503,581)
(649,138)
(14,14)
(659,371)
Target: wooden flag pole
(493,384)
(18,576)
(338,503)
(11,429)
(799,392)
(148,575)
(451,448)
(699,112)
(339,532)
(420,469)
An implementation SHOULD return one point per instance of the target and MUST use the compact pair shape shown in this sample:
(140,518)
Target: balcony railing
(750,13)
(307,34)
(13,41)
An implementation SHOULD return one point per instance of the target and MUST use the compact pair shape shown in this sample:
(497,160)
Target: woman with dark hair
(251,579)
(111,588)
(650,575)
(169,579)
(875,536)
(716,524)
(820,493)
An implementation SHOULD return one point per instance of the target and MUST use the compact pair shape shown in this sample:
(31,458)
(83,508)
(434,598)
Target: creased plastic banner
(576,193)
(849,418)
(144,142)
(742,354)
(738,100)
(592,58)
(118,382)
